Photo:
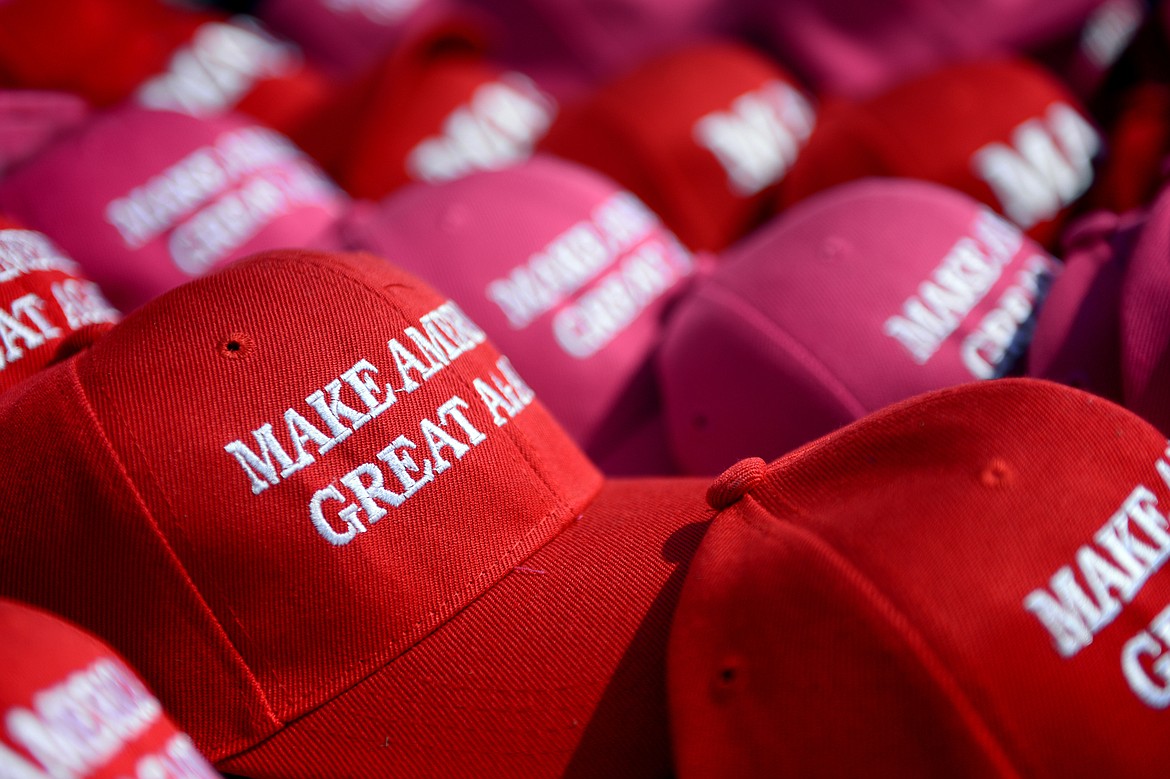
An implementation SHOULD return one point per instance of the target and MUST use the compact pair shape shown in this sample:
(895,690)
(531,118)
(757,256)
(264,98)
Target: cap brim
(558,669)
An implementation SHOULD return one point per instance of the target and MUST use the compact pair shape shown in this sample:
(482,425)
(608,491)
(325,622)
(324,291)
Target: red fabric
(1139,143)
(108,50)
(91,717)
(99,49)
(43,299)
(936,128)
(418,95)
(250,624)
(861,610)
(642,130)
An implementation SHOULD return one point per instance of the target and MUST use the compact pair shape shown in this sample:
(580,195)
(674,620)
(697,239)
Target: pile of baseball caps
(570,388)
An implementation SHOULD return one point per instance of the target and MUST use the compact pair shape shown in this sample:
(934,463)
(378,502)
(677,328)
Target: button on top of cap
(735,482)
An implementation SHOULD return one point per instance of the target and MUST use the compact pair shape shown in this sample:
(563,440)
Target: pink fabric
(145,200)
(1078,333)
(569,275)
(860,49)
(1145,319)
(346,36)
(809,324)
(577,42)
(32,119)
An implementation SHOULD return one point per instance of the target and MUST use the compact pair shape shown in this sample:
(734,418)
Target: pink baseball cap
(1077,340)
(1084,58)
(862,296)
(31,119)
(583,42)
(567,272)
(705,135)
(859,49)
(1110,328)
(968,584)
(145,200)
(1145,319)
(71,707)
(44,300)
(344,37)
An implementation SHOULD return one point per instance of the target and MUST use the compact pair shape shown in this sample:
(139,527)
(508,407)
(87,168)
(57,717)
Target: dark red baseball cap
(704,135)
(967,584)
(1005,132)
(44,300)
(336,532)
(72,708)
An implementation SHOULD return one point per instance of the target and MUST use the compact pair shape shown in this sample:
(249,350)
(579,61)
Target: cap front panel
(42,300)
(564,270)
(71,707)
(1017,533)
(198,194)
(896,287)
(366,463)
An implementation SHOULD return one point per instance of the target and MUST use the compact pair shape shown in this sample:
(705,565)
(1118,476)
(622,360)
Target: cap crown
(192,195)
(868,294)
(273,481)
(973,585)
(563,269)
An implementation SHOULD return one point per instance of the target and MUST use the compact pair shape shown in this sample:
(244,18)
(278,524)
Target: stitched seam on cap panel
(173,558)
(385,657)
(723,297)
(992,745)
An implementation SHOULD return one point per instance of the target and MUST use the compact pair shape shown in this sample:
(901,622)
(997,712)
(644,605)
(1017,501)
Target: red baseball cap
(1005,132)
(159,56)
(145,200)
(703,135)
(967,584)
(437,110)
(865,295)
(567,273)
(43,300)
(72,708)
(336,532)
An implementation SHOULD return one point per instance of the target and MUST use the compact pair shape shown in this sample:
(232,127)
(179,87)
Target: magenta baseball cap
(1078,332)
(586,41)
(859,49)
(566,272)
(31,119)
(1145,319)
(346,36)
(858,297)
(1108,330)
(145,200)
